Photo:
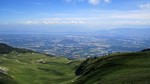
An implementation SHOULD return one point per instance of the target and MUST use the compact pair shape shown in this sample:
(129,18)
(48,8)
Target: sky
(74,14)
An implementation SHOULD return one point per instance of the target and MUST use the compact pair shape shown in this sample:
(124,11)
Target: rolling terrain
(119,68)
(21,66)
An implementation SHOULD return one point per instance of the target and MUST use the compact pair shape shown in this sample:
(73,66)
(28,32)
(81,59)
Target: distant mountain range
(75,29)
(128,32)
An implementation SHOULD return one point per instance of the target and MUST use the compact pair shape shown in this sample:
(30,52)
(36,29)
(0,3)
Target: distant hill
(131,32)
(120,68)
(5,49)
(126,32)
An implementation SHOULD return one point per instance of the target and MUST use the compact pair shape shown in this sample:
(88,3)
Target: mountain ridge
(119,68)
(5,49)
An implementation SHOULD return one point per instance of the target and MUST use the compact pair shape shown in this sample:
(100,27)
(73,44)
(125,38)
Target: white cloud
(53,21)
(107,1)
(145,6)
(29,22)
(94,2)
(97,2)
(74,0)
(97,19)
(133,15)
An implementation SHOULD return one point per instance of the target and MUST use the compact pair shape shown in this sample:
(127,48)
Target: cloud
(94,18)
(133,15)
(93,2)
(54,21)
(145,6)
(107,1)
(98,19)
(97,2)
(74,1)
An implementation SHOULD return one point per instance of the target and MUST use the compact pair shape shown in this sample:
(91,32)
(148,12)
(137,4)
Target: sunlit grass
(35,68)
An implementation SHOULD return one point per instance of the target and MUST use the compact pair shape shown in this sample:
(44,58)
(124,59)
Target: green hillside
(5,49)
(21,66)
(120,68)
(5,79)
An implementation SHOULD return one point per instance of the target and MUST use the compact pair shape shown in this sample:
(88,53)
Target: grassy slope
(127,68)
(5,79)
(25,68)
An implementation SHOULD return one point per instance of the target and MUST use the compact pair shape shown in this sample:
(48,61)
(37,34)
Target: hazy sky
(94,14)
